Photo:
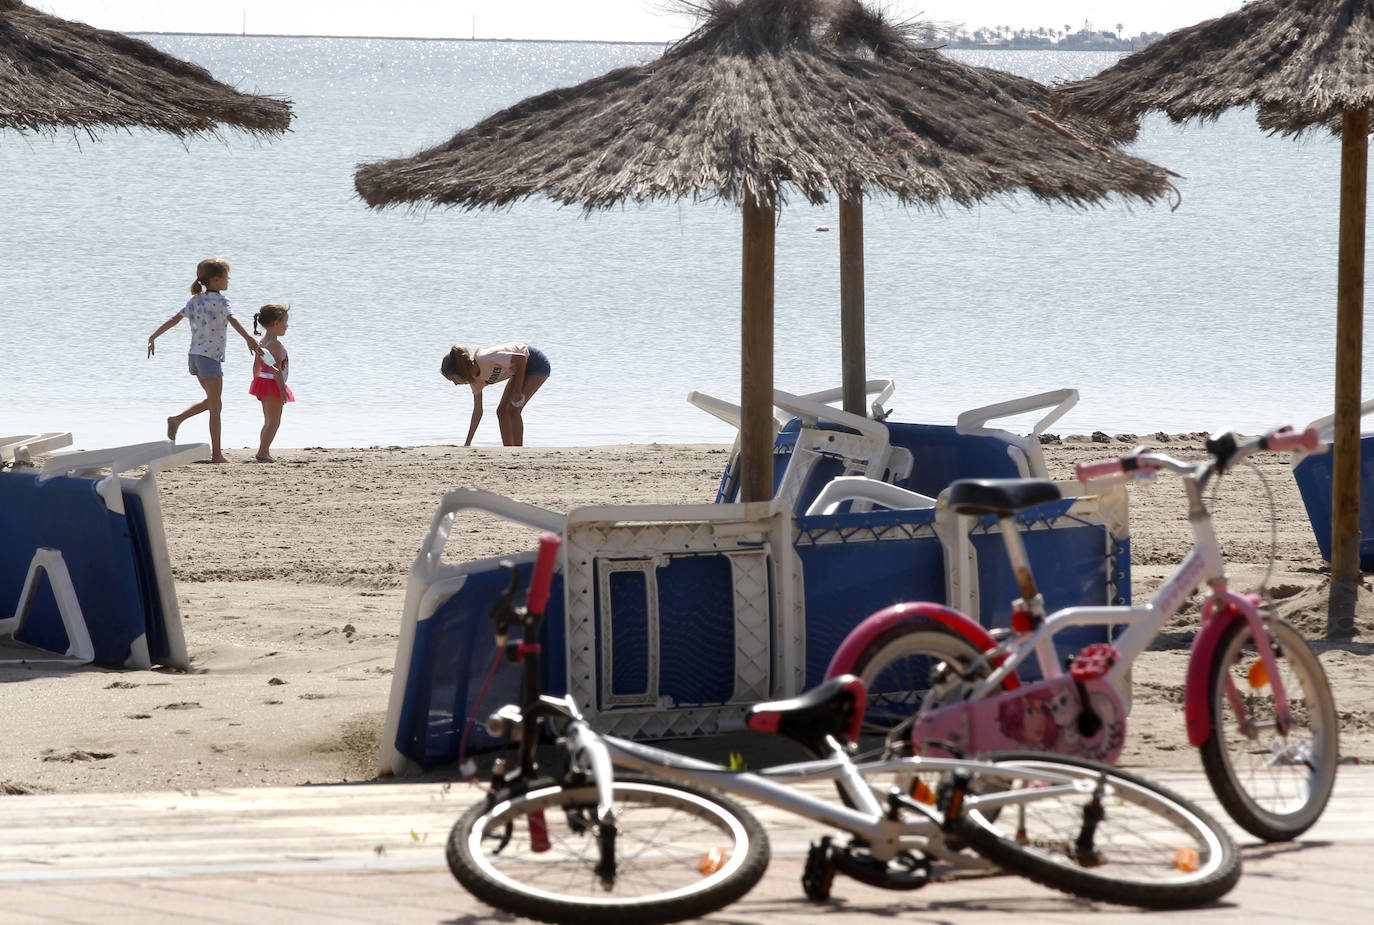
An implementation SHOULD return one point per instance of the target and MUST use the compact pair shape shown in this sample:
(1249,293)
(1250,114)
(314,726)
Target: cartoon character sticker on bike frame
(1046,717)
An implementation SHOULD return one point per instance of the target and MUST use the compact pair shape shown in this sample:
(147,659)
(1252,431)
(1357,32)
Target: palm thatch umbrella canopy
(1303,64)
(55,73)
(764,99)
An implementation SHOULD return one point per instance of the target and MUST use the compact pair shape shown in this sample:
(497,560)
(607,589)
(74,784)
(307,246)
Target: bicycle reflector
(712,861)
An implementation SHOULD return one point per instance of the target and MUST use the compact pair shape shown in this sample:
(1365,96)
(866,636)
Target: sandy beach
(291,578)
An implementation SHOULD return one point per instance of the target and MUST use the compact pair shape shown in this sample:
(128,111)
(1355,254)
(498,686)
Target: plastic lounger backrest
(450,662)
(68,514)
(1315,475)
(940,454)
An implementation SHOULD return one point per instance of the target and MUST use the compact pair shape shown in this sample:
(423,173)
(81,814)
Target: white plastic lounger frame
(156,456)
(433,581)
(730,412)
(864,446)
(1325,427)
(20,449)
(80,650)
(860,488)
(1025,450)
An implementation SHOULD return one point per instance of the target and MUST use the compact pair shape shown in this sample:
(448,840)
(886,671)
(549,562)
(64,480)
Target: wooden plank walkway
(373,853)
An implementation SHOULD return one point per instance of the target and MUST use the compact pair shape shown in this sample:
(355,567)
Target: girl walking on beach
(210,317)
(524,368)
(269,375)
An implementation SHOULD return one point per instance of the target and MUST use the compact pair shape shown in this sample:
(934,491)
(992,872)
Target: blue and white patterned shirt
(209,315)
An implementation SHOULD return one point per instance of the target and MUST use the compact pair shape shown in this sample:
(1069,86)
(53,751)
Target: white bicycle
(575,842)
(1256,700)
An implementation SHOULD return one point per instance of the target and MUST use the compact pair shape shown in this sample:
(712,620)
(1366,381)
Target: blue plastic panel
(696,607)
(883,558)
(1314,477)
(67,514)
(453,653)
(940,454)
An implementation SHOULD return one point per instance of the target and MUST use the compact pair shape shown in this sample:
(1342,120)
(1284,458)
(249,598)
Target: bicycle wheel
(1115,838)
(680,853)
(1275,785)
(896,668)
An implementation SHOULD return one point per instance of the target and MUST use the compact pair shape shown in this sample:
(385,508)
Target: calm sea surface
(1218,314)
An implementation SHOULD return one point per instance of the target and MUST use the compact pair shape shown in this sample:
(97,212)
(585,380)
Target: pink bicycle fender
(1195,711)
(842,662)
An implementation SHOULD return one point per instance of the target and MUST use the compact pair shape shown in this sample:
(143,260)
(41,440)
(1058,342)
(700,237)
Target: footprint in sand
(76,754)
(181,705)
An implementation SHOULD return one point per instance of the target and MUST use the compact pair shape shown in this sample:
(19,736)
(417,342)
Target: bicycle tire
(895,668)
(1142,848)
(664,831)
(1274,786)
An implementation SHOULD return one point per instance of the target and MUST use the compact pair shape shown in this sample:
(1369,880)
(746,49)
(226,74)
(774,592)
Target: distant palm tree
(1119,27)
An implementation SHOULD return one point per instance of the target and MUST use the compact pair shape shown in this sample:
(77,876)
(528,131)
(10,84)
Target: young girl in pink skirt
(269,375)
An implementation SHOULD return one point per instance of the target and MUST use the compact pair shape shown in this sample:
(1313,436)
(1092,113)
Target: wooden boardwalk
(373,853)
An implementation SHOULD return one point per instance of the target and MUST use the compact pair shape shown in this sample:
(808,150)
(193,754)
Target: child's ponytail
(207,270)
(270,313)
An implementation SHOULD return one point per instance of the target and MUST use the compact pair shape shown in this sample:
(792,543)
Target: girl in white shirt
(523,368)
(211,319)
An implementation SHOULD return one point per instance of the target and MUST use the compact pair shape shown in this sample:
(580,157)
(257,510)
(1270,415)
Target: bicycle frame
(1203,564)
(886,835)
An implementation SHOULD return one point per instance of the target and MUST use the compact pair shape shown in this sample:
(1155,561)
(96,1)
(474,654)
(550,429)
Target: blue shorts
(537,364)
(203,367)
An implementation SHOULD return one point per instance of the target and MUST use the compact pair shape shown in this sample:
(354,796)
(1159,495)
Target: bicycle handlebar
(1224,449)
(543,572)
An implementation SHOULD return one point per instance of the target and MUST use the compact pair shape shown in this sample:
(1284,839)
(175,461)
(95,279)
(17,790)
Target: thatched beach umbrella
(1303,64)
(55,73)
(763,99)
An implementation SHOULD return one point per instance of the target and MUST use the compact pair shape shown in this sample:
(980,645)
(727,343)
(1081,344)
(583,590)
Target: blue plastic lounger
(671,620)
(76,539)
(1314,474)
(445,648)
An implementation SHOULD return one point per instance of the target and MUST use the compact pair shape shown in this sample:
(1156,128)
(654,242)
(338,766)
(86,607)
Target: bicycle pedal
(819,873)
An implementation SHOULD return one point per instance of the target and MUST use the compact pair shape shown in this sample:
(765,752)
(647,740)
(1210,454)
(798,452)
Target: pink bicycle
(1257,703)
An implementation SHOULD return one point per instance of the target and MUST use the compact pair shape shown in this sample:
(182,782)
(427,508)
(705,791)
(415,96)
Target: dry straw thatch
(55,73)
(763,98)
(1300,62)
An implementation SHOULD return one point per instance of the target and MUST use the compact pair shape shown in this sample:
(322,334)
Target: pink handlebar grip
(1292,440)
(1099,470)
(543,572)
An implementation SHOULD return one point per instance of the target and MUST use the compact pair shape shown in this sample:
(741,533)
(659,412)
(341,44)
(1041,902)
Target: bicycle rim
(680,852)
(1275,785)
(896,668)
(1150,848)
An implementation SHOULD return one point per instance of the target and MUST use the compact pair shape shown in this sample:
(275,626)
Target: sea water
(1219,313)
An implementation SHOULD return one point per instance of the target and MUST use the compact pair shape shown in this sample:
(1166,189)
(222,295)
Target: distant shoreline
(1123,47)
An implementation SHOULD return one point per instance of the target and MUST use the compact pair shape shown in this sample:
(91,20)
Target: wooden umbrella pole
(756,353)
(1345,487)
(852,360)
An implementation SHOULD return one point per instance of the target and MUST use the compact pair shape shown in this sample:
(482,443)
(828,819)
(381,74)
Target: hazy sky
(611,20)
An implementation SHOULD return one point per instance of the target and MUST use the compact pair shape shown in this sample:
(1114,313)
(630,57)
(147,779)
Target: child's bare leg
(213,401)
(176,420)
(271,421)
(517,422)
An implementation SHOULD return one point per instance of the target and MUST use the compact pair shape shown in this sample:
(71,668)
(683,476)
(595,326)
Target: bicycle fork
(1218,612)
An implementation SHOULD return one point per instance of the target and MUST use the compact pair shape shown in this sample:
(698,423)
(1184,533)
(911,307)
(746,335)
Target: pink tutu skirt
(267,388)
